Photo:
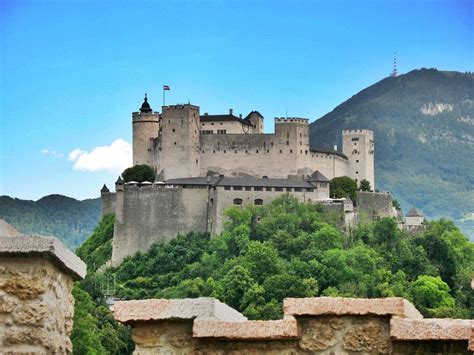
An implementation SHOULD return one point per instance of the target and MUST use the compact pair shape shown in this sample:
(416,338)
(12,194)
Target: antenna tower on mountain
(395,71)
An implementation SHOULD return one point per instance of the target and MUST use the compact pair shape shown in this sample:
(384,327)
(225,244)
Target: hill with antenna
(424,127)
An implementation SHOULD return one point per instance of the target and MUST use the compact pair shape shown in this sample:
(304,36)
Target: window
(287,142)
(226,187)
(207,131)
(248,188)
(291,151)
(212,202)
(174,143)
(225,151)
(271,144)
(289,189)
(268,189)
(355,139)
(258,188)
(309,189)
(238,201)
(278,188)
(258,202)
(174,130)
(237,188)
(298,189)
(221,131)
(288,135)
(357,172)
(323,185)
(256,151)
(281,151)
(357,161)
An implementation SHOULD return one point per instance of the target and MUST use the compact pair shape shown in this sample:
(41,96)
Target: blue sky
(73,71)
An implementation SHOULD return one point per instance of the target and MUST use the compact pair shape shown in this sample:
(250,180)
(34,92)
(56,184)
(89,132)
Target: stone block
(277,329)
(340,306)
(177,309)
(431,329)
(48,247)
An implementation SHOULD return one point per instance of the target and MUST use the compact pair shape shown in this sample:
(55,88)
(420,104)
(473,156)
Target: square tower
(358,147)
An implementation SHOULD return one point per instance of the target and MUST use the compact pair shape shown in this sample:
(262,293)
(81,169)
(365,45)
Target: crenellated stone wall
(36,305)
(322,325)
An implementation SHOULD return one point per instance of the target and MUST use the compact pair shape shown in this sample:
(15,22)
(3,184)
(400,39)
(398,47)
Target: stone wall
(322,325)
(108,202)
(36,306)
(150,214)
(373,205)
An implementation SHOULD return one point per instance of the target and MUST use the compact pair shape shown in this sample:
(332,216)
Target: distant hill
(424,133)
(70,220)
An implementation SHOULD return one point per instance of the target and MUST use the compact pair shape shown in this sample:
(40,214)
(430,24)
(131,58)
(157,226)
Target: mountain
(70,220)
(423,123)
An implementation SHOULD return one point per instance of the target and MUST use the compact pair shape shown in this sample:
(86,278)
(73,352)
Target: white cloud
(115,157)
(51,153)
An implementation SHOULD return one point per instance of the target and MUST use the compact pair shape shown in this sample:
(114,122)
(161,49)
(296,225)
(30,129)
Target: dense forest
(68,219)
(423,123)
(267,253)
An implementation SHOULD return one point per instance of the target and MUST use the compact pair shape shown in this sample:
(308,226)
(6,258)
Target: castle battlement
(179,106)
(355,131)
(291,120)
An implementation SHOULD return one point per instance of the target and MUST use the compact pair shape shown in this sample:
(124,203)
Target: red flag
(166,87)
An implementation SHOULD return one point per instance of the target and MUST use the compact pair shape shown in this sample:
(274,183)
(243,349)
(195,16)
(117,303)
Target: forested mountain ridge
(423,123)
(68,219)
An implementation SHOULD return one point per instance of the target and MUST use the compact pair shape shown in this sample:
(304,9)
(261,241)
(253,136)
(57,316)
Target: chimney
(231,111)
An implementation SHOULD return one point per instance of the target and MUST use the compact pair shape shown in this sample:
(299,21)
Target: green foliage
(291,249)
(139,173)
(95,330)
(364,185)
(68,219)
(422,160)
(97,249)
(396,204)
(342,187)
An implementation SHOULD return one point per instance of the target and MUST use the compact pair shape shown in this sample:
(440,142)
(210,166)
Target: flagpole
(163,96)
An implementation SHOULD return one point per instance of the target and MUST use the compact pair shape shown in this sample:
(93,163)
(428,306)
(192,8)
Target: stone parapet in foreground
(36,305)
(321,325)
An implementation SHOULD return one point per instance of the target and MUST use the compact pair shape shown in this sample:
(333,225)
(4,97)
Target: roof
(104,189)
(414,212)
(145,106)
(252,112)
(224,118)
(317,176)
(240,181)
(327,151)
(49,247)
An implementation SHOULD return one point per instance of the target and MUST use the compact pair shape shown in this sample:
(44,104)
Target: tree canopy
(343,187)
(139,173)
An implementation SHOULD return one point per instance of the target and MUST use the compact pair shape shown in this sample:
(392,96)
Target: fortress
(207,163)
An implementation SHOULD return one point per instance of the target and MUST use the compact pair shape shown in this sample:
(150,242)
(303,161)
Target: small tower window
(174,130)
(258,202)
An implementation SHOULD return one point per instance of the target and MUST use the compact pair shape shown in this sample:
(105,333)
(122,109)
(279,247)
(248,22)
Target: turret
(145,131)
(358,147)
(178,147)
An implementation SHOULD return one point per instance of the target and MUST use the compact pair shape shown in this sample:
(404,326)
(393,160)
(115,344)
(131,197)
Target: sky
(72,72)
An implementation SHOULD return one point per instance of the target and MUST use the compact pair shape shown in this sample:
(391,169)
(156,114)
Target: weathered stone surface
(48,247)
(25,288)
(189,308)
(318,306)
(36,306)
(371,337)
(471,340)
(277,329)
(317,335)
(430,329)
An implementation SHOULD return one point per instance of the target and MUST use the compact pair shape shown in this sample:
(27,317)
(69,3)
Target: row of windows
(257,201)
(210,131)
(268,188)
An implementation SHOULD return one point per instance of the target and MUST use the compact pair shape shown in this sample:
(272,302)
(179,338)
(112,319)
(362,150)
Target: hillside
(294,250)
(70,220)
(424,132)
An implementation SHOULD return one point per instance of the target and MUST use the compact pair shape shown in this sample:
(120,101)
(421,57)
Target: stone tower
(145,130)
(358,147)
(178,153)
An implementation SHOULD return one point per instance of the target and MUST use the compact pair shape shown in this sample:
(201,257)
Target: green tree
(343,186)
(139,173)
(431,294)
(364,185)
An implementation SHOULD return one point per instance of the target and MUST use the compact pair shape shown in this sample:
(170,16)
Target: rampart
(36,305)
(322,325)
(374,205)
(151,214)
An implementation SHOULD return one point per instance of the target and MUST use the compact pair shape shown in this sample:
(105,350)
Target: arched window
(258,202)
(238,201)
